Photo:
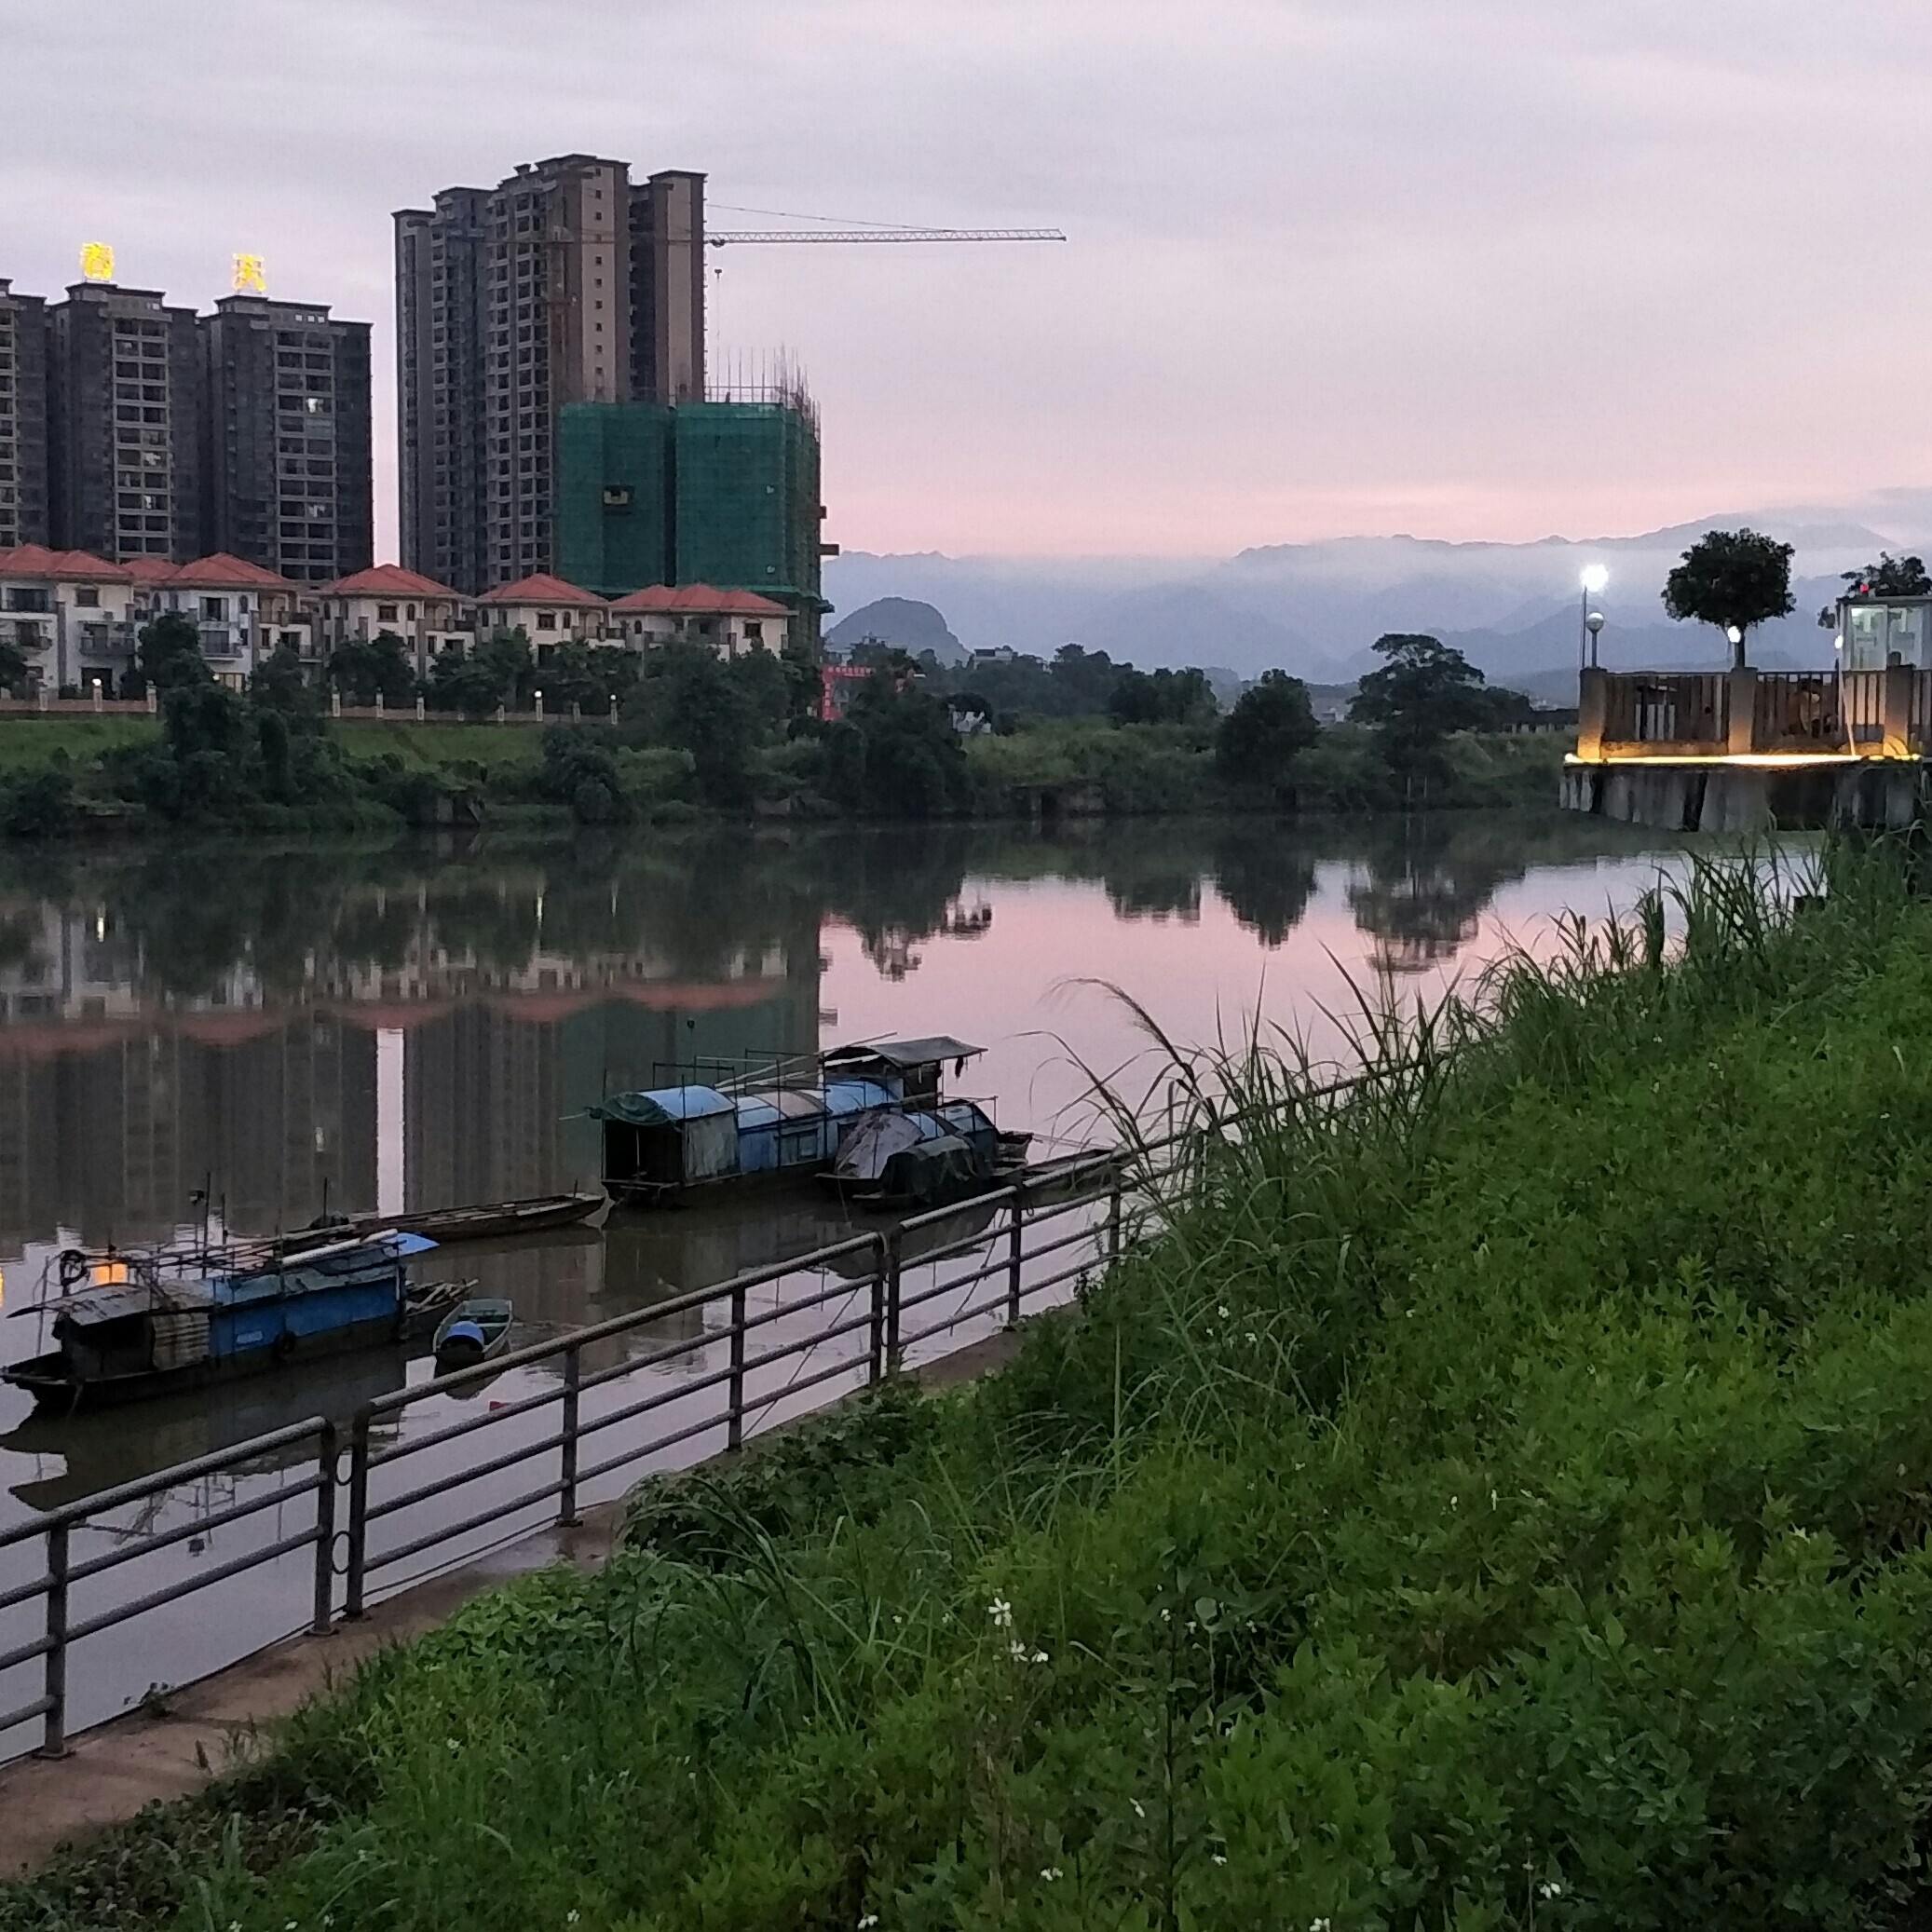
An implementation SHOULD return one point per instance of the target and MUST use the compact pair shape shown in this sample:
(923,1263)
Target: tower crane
(730,236)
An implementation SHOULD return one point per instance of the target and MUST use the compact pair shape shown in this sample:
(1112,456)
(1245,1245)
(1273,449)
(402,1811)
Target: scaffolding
(723,492)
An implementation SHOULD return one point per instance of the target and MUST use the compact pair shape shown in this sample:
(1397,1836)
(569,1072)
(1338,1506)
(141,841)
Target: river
(394,1027)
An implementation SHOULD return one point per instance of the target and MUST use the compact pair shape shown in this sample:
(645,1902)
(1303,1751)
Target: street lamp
(1594,625)
(1591,577)
(1736,638)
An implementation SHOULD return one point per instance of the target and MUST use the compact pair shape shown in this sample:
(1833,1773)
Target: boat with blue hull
(139,1324)
(667,1144)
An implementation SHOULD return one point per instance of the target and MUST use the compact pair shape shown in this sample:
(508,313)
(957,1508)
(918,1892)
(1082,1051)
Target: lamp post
(1737,641)
(1594,625)
(1591,579)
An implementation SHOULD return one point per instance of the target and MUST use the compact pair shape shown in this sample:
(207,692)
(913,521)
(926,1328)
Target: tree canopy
(1424,690)
(1736,579)
(1273,721)
(1891,577)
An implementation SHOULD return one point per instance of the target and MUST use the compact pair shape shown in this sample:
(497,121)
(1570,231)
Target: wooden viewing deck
(1738,750)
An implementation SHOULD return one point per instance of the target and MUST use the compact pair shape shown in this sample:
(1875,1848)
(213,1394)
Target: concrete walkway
(154,1756)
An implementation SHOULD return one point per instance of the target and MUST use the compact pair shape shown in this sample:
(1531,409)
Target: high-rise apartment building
(285,455)
(125,397)
(22,418)
(564,284)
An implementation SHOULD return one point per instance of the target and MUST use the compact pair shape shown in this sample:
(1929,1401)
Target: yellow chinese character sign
(97,261)
(249,275)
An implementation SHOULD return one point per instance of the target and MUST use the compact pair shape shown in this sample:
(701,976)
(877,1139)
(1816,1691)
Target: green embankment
(1499,1500)
(58,772)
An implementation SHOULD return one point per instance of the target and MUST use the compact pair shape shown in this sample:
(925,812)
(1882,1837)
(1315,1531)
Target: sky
(1460,268)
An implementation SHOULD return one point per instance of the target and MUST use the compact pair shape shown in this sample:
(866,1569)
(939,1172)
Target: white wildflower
(1139,1809)
(1549,1888)
(1222,1311)
(1000,1610)
(867,1919)
(1220,1858)
(1017,1651)
(1050,1873)
(1038,1657)
(1318,1925)
(570,1916)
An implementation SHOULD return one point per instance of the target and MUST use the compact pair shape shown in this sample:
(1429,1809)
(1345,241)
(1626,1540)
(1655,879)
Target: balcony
(105,638)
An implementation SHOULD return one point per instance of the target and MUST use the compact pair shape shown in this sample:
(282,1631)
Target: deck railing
(1635,714)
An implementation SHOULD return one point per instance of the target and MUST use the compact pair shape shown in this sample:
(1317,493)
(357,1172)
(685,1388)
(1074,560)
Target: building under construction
(722,492)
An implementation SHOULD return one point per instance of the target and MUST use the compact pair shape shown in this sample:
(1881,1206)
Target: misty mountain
(1315,608)
(906,622)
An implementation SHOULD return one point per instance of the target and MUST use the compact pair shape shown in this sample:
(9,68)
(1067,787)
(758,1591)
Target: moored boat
(143,1324)
(473,1332)
(664,1145)
(488,1221)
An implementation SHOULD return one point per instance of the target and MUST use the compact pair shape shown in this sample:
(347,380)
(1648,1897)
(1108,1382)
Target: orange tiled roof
(150,570)
(386,580)
(543,589)
(701,599)
(225,572)
(71,566)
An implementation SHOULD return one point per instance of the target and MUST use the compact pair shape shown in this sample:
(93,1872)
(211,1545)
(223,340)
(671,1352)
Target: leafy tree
(1160,698)
(364,669)
(41,804)
(280,684)
(578,770)
(690,698)
(1273,721)
(1425,690)
(498,671)
(896,753)
(170,655)
(13,665)
(1891,577)
(593,678)
(1733,578)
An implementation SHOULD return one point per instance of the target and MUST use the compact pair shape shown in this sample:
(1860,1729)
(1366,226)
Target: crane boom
(724,237)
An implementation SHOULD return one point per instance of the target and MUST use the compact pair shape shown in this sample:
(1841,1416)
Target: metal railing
(1797,711)
(61,1573)
(362,1538)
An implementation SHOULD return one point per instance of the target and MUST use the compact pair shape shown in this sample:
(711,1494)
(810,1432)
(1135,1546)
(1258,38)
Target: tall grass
(1494,1494)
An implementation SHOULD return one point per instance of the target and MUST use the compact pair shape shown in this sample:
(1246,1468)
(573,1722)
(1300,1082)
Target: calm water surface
(420,1026)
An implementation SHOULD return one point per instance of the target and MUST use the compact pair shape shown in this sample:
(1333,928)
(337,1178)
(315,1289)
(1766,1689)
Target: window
(87,597)
(385,613)
(411,613)
(214,610)
(754,630)
(546,621)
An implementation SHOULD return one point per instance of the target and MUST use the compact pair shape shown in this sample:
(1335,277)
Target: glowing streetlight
(1591,577)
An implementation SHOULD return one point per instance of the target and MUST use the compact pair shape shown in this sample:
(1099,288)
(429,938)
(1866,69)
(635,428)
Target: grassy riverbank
(60,774)
(1497,1501)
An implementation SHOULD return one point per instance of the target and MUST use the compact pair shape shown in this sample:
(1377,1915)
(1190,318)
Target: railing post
(1015,1254)
(324,1531)
(895,1269)
(1742,692)
(358,1515)
(1592,706)
(734,1418)
(875,1367)
(573,1374)
(1896,696)
(53,1735)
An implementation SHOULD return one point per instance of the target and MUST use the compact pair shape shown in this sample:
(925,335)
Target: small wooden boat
(472,1332)
(491,1221)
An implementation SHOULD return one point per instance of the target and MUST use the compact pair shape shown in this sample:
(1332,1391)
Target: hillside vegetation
(1496,1497)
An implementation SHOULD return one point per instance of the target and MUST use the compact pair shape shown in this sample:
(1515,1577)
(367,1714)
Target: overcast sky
(1457,267)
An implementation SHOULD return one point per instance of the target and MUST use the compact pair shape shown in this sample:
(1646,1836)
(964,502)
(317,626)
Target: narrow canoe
(472,1332)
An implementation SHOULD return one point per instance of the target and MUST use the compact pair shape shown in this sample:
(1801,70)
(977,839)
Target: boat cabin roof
(662,1104)
(98,1305)
(905,1053)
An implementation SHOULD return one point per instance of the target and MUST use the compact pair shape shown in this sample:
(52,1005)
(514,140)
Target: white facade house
(730,622)
(547,610)
(242,612)
(426,616)
(72,614)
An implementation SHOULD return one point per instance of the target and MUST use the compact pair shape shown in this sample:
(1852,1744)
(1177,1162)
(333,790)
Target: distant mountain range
(1315,608)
